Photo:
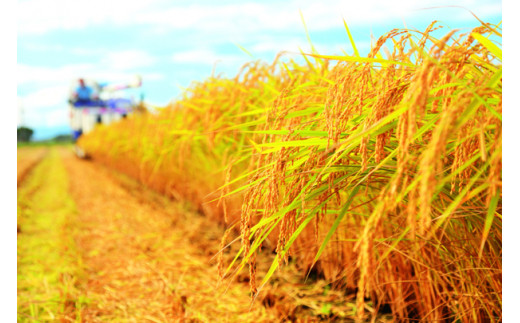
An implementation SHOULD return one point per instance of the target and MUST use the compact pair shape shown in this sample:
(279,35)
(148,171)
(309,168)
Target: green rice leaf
(489,221)
(336,222)
(356,53)
(306,133)
(493,49)
(296,143)
(244,50)
(359,59)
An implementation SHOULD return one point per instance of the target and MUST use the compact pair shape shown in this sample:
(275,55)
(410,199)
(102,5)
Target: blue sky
(172,43)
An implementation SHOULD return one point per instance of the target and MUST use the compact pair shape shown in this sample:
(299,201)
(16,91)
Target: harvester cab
(92,103)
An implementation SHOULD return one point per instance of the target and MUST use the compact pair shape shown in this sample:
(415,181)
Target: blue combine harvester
(94,103)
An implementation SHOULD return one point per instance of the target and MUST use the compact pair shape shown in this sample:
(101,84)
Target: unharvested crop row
(381,173)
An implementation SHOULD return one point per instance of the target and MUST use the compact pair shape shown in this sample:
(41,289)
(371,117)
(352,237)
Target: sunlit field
(376,177)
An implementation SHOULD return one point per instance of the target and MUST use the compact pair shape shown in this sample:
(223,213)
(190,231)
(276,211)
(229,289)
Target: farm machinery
(106,103)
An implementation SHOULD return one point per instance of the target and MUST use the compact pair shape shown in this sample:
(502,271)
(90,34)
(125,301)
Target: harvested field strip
(27,158)
(141,262)
(47,259)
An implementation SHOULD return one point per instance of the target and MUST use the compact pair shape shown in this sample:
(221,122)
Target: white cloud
(277,45)
(46,97)
(129,59)
(482,11)
(57,117)
(205,56)
(41,16)
(115,67)
(27,74)
(152,77)
(293,46)
(46,107)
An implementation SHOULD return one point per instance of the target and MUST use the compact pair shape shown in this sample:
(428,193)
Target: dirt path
(146,258)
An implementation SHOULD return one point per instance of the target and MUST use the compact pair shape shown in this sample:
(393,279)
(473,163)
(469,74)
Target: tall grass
(382,174)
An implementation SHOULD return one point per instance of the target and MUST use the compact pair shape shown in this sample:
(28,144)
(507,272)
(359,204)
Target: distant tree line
(62,138)
(24,134)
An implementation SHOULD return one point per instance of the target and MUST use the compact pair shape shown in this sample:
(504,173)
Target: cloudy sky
(171,43)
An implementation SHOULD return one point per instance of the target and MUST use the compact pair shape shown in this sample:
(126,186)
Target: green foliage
(24,134)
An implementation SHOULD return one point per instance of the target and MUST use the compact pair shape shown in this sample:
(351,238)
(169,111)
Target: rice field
(380,174)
